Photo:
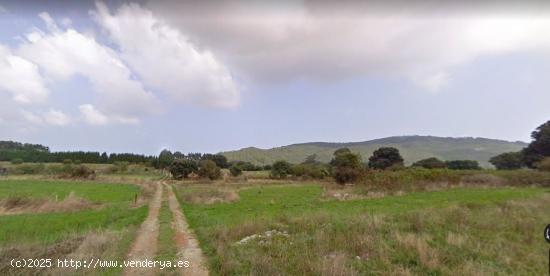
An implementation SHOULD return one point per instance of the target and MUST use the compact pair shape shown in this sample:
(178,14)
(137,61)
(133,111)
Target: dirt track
(145,244)
(187,244)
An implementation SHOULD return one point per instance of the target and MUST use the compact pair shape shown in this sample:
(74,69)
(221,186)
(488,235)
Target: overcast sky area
(209,76)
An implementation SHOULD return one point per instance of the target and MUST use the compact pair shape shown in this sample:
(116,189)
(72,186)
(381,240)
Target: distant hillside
(412,148)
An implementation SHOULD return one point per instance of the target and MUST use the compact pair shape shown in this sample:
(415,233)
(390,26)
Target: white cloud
(165,58)
(21,78)
(56,118)
(30,117)
(63,54)
(327,41)
(95,117)
(92,115)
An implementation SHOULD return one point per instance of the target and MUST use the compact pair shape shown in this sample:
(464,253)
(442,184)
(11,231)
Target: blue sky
(139,77)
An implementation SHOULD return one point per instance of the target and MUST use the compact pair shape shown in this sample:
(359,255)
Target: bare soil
(145,244)
(187,243)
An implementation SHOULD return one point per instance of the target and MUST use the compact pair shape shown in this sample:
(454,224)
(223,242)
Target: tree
(220,160)
(384,158)
(346,166)
(235,170)
(539,148)
(208,168)
(182,168)
(281,169)
(508,161)
(311,160)
(430,163)
(463,165)
(341,151)
(165,158)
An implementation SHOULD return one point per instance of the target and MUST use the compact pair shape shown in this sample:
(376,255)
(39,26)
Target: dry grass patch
(20,205)
(210,195)
(428,256)
(455,239)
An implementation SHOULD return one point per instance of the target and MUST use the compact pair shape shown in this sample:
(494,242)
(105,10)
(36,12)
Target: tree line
(535,156)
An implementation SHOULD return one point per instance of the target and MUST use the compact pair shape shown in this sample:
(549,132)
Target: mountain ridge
(412,147)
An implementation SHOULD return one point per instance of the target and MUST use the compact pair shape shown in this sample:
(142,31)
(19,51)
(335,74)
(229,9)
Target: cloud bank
(418,41)
(149,67)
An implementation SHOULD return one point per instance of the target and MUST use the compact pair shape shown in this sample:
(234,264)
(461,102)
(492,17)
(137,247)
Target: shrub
(67,161)
(64,170)
(544,165)
(235,170)
(121,166)
(29,168)
(384,158)
(463,165)
(310,170)
(82,171)
(247,166)
(507,161)
(182,168)
(208,168)
(346,166)
(281,169)
(17,161)
(430,163)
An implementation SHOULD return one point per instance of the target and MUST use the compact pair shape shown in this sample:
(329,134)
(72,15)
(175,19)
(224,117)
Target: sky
(210,76)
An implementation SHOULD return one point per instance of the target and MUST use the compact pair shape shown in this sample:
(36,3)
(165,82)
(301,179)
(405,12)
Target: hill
(412,148)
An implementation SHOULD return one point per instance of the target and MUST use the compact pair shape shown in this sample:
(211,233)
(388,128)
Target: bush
(67,161)
(29,168)
(235,170)
(310,170)
(58,169)
(208,168)
(119,167)
(346,166)
(247,166)
(544,165)
(430,163)
(463,165)
(182,168)
(281,169)
(82,171)
(508,161)
(17,161)
(384,158)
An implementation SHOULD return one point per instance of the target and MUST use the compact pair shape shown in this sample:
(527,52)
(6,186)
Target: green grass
(273,201)
(321,229)
(166,244)
(52,227)
(49,228)
(95,192)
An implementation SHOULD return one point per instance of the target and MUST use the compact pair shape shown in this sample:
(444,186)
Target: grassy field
(50,189)
(105,228)
(398,234)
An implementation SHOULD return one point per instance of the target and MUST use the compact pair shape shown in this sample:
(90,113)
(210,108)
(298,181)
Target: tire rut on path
(145,244)
(186,242)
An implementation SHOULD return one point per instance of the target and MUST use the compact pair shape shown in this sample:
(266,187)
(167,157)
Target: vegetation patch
(352,236)
(18,205)
(208,195)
